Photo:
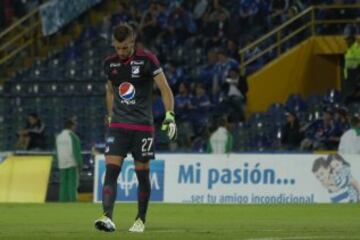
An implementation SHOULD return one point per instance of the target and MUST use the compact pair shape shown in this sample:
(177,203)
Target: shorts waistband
(136,127)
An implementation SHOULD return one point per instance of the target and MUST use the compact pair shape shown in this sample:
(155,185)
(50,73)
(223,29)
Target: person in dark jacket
(32,137)
(291,135)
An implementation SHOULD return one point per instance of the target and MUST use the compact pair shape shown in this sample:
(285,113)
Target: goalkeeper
(131,74)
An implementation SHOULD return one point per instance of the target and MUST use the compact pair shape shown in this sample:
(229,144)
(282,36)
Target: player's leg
(118,144)
(143,151)
(144,191)
(113,168)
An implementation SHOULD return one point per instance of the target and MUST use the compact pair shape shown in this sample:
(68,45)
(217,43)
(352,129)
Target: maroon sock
(109,189)
(144,191)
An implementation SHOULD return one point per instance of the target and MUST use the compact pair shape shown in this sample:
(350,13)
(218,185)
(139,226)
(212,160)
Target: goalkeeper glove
(169,125)
(107,120)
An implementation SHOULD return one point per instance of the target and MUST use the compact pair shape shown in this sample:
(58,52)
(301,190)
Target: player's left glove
(169,125)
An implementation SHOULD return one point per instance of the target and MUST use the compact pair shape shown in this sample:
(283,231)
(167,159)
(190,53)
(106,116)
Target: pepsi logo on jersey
(127,93)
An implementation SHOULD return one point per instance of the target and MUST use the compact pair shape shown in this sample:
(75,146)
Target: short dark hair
(34,115)
(69,123)
(319,162)
(221,122)
(122,32)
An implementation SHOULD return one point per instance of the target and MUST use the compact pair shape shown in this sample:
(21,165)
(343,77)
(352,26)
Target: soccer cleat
(138,226)
(105,224)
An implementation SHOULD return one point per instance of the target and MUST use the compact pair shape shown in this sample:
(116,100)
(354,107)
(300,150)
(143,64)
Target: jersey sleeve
(154,64)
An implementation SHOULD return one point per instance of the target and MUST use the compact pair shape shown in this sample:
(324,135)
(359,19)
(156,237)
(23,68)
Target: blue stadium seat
(314,100)
(333,96)
(276,112)
(295,103)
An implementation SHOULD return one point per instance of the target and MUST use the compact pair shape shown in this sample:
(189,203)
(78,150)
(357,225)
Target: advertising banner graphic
(127,181)
(251,179)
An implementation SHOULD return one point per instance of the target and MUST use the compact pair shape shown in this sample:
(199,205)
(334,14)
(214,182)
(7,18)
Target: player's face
(125,48)
(335,164)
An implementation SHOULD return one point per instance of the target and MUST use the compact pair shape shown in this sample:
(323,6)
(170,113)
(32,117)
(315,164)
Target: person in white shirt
(221,141)
(70,162)
(350,140)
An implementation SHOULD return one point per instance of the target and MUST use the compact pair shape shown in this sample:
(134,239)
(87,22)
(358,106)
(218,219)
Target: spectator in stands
(342,119)
(323,134)
(200,107)
(163,15)
(183,102)
(200,10)
(350,140)
(181,21)
(32,137)
(221,140)
(70,162)
(217,10)
(217,29)
(279,9)
(174,73)
(296,6)
(291,135)
(148,25)
(234,92)
(233,49)
(121,15)
(214,25)
(182,108)
(208,70)
(248,12)
(223,66)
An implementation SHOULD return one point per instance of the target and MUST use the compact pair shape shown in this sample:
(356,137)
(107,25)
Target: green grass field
(175,221)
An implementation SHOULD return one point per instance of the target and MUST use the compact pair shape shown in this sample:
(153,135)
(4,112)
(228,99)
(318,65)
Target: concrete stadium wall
(312,67)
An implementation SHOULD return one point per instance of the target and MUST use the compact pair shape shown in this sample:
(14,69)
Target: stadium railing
(301,27)
(19,36)
(25,38)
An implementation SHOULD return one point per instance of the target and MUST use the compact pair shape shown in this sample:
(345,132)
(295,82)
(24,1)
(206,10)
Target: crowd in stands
(197,43)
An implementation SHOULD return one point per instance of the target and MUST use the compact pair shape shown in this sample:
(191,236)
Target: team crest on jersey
(135,69)
(127,92)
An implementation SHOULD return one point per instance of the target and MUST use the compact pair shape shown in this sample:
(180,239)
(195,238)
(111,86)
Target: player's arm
(168,100)
(109,100)
(166,93)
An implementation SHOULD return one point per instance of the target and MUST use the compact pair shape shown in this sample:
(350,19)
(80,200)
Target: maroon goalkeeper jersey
(132,82)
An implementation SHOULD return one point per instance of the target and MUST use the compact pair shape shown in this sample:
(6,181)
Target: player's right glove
(169,125)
